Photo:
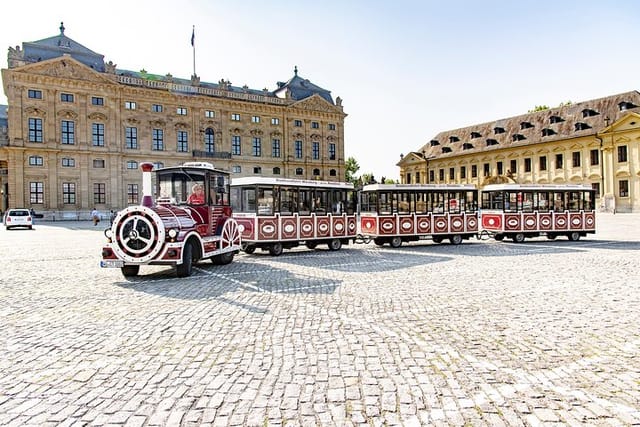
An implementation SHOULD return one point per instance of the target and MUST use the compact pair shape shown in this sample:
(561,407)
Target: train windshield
(182,186)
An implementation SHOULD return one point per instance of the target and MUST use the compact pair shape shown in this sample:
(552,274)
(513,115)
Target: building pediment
(410,159)
(64,67)
(67,114)
(316,103)
(97,116)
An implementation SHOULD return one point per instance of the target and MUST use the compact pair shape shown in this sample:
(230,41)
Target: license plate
(112,263)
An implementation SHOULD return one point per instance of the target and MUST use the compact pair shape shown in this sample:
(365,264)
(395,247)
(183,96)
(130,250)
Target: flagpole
(193,44)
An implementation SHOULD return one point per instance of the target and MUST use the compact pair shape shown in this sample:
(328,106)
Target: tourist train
(200,213)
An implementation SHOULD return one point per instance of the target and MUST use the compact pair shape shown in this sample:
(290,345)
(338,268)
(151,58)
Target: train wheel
(499,237)
(249,249)
(518,237)
(276,249)
(574,237)
(335,244)
(456,239)
(130,270)
(222,259)
(184,269)
(396,242)
(551,236)
(436,239)
(378,241)
(311,245)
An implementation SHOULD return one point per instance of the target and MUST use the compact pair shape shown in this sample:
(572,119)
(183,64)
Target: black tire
(249,249)
(499,237)
(436,239)
(334,244)
(276,249)
(222,259)
(311,245)
(395,242)
(185,269)
(130,270)
(456,239)
(379,241)
(551,236)
(518,237)
(574,236)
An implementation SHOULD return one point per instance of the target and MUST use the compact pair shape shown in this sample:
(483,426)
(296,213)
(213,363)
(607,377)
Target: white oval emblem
(307,228)
(491,221)
(407,225)
(512,222)
(289,228)
(424,224)
(560,221)
(387,226)
(241,227)
(472,223)
(545,222)
(576,221)
(441,224)
(323,227)
(589,221)
(268,229)
(530,222)
(352,226)
(457,223)
(338,226)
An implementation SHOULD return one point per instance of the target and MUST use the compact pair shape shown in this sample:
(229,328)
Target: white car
(18,218)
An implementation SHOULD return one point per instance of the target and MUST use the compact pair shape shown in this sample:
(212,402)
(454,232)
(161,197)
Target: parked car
(18,218)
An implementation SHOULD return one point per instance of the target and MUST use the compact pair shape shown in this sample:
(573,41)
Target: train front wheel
(395,242)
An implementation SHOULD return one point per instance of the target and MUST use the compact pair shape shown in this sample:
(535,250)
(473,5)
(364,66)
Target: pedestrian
(95,215)
(112,216)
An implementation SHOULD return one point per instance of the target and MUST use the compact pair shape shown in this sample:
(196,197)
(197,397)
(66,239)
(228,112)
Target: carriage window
(589,202)
(404,203)
(288,200)
(368,202)
(338,200)
(421,203)
(265,201)
(527,202)
(575,201)
(558,202)
(511,202)
(543,201)
(386,202)
(305,201)
(320,202)
(455,203)
(437,202)
(471,204)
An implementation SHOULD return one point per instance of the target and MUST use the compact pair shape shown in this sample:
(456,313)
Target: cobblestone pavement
(485,333)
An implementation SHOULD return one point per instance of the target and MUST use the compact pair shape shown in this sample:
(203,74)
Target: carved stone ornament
(315,136)
(235,131)
(157,123)
(67,114)
(315,103)
(181,126)
(110,67)
(276,133)
(98,116)
(298,135)
(33,111)
(331,138)
(257,132)
(132,121)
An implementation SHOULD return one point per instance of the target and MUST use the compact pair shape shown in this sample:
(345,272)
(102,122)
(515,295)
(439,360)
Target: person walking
(95,215)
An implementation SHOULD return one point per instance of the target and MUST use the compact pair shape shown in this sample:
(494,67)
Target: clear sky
(405,69)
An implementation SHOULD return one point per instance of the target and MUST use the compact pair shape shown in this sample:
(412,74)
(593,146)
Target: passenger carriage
(397,213)
(281,213)
(519,211)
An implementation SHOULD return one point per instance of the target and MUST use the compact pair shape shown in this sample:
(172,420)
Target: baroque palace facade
(78,129)
(595,143)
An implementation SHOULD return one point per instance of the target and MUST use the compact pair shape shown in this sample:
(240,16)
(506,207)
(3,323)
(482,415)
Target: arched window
(316,172)
(332,172)
(276,171)
(299,171)
(209,141)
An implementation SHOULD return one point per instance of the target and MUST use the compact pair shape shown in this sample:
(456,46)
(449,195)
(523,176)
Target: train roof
(536,187)
(419,187)
(194,166)
(289,182)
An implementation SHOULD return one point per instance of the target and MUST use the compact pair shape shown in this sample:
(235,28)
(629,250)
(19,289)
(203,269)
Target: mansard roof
(299,88)
(53,47)
(553,124)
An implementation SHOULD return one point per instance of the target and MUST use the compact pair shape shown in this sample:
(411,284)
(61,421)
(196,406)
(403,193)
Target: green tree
(351,166)
(538,108)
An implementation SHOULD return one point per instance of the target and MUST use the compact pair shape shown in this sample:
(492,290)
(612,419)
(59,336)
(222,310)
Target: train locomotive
(179,228)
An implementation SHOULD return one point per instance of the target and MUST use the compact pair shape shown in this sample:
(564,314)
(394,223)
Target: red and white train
(175,229)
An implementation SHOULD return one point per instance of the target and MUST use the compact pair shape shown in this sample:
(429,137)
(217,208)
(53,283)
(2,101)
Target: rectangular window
(183,141)
(36,192)
(332,126)
(441,175)
(527,164)
(474,171)
(132,194)
(236,169)
(97,134)
(36,161)
(97,100)
(463,172)
(98,163)
(513,166)
(66,97)
(209,114)
(132,164)
(500,168)
(297,123)
(255,119)
(559,161)
(622,154)
(257,147)
(35,94)
(432,176)
(129,105)
(68,193)
(275,148)
(157,139)
(596,186)
(157,108)
(298,149)
(68,132)
(315,125)
(236,145)
(452,174)
(235,117)
(275,121)
(332,151)
(487,169)
(131,138)
(181,111)
(68,162)
(623,188)
(35,130)
(594,156)
(316,150)
(575,159)
(543,163)
(99,194)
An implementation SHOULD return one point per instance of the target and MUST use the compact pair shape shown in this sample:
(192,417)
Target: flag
(193,37)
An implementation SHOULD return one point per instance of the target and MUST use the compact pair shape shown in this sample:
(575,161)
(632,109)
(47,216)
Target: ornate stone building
(78,128)
(595,142)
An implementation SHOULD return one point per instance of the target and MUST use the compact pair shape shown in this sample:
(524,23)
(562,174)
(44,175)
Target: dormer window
(434,142)
(497,130)
(525,125)
(626,105)
(446,149)
(548,132)
(491,142)
(454,138)
(475,135)
(555,119)
(582,126)
(467,146)
(588,112)
(518,137)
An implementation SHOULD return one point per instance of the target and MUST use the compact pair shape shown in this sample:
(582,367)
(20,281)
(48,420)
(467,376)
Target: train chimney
(147,196)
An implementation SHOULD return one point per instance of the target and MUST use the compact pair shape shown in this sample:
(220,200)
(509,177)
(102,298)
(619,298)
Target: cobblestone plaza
(484,333)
